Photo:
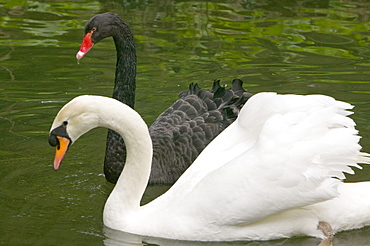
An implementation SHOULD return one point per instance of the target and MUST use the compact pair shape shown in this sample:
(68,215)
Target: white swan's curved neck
(133,180)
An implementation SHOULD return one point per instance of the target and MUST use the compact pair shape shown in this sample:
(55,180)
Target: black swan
(182,131)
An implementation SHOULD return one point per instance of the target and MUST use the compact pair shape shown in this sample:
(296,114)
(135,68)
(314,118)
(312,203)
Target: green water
(300,47)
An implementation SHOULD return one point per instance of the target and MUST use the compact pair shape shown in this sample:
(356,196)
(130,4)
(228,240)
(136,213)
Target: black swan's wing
(182,131)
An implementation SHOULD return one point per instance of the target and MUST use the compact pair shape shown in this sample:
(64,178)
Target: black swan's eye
(93,29)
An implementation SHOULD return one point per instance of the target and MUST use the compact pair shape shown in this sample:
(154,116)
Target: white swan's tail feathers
(363,158)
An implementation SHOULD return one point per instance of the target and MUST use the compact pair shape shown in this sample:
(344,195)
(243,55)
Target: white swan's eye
(65,123)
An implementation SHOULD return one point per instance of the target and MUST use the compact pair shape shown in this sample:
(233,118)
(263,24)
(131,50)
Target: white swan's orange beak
(61,150)
(86,45)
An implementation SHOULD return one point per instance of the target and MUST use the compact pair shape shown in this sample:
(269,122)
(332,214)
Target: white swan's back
(278,126)
(283,153)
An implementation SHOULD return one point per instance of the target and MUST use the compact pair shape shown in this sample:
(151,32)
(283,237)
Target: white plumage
(275,172)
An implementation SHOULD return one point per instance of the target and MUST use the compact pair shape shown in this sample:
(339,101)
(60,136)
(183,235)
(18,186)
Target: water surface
(301,47)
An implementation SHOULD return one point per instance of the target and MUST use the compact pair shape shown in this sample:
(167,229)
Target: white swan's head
(73,120)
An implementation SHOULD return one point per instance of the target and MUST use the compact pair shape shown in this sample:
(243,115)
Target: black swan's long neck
(124,91)
(125,81)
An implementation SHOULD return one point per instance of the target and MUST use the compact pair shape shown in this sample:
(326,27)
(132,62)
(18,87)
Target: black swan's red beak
(86,45)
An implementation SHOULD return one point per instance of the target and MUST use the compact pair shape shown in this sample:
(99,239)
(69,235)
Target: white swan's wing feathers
(289,156)
(363,158)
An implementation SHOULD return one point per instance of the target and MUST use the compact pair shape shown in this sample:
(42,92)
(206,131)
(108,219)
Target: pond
(300,47)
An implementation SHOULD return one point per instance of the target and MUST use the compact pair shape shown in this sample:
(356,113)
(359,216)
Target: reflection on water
(299,46)
(117,238)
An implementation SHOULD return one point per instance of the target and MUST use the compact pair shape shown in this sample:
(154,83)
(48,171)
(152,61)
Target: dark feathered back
(182,131)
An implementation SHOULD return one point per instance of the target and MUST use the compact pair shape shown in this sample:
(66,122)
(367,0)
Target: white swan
(275,172)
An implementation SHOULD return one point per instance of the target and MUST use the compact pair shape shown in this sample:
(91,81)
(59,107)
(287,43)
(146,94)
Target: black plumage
(182,131)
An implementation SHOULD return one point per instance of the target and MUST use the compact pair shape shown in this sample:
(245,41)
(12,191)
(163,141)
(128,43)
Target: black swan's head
(102,26)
